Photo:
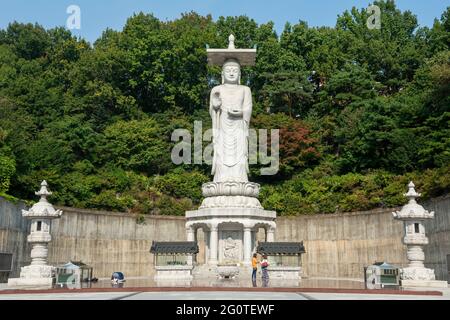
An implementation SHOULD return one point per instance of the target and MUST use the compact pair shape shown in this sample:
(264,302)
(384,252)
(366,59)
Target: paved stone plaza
(338,290)
(218,295)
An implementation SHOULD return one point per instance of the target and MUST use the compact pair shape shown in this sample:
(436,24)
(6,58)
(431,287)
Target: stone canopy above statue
(245,57)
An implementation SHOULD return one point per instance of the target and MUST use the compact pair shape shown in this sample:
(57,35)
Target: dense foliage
(360,111)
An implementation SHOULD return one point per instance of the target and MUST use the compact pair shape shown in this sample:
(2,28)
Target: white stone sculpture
(230,214)
(39,274)
(230,109)
(413,216)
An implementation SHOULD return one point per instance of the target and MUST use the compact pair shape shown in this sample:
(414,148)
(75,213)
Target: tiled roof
(174,247)
(75,265)
(271,248)
(384,265)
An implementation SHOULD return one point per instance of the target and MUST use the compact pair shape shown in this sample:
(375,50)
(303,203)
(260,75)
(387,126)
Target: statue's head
(231,72)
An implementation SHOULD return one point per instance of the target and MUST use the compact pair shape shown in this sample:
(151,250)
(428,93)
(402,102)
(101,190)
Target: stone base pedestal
(424,283)
(284,273)
(231,231)
(31,283)
(34,276)
(173,273)
(420,277)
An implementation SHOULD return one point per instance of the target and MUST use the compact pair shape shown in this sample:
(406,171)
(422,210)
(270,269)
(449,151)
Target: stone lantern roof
(42,209)
(412,210)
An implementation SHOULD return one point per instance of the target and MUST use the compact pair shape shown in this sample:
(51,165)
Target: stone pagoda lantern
(39,273)
(413,215)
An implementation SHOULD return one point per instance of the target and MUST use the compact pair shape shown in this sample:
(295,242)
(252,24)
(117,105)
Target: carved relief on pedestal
(418,274)
(37,271)
(231,244)
(231,249)
(230,202)
(230,188)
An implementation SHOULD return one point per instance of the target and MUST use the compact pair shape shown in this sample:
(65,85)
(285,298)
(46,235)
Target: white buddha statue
(230,109)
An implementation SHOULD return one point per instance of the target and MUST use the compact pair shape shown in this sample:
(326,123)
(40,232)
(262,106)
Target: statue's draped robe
(230,133)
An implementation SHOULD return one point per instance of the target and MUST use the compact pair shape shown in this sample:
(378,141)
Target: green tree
(95,120)
(392,53)
(136,145)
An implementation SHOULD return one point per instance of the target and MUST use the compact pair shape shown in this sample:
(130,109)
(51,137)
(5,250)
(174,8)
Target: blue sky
(97,15)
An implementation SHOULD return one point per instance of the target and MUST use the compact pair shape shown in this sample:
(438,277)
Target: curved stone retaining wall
(337,245)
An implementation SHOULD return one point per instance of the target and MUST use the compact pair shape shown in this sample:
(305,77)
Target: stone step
(209,271)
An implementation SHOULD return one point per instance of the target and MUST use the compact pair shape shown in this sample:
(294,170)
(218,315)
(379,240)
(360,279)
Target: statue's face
(231,73)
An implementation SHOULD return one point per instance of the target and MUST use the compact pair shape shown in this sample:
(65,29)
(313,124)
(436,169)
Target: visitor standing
(254,266)
(265,274)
